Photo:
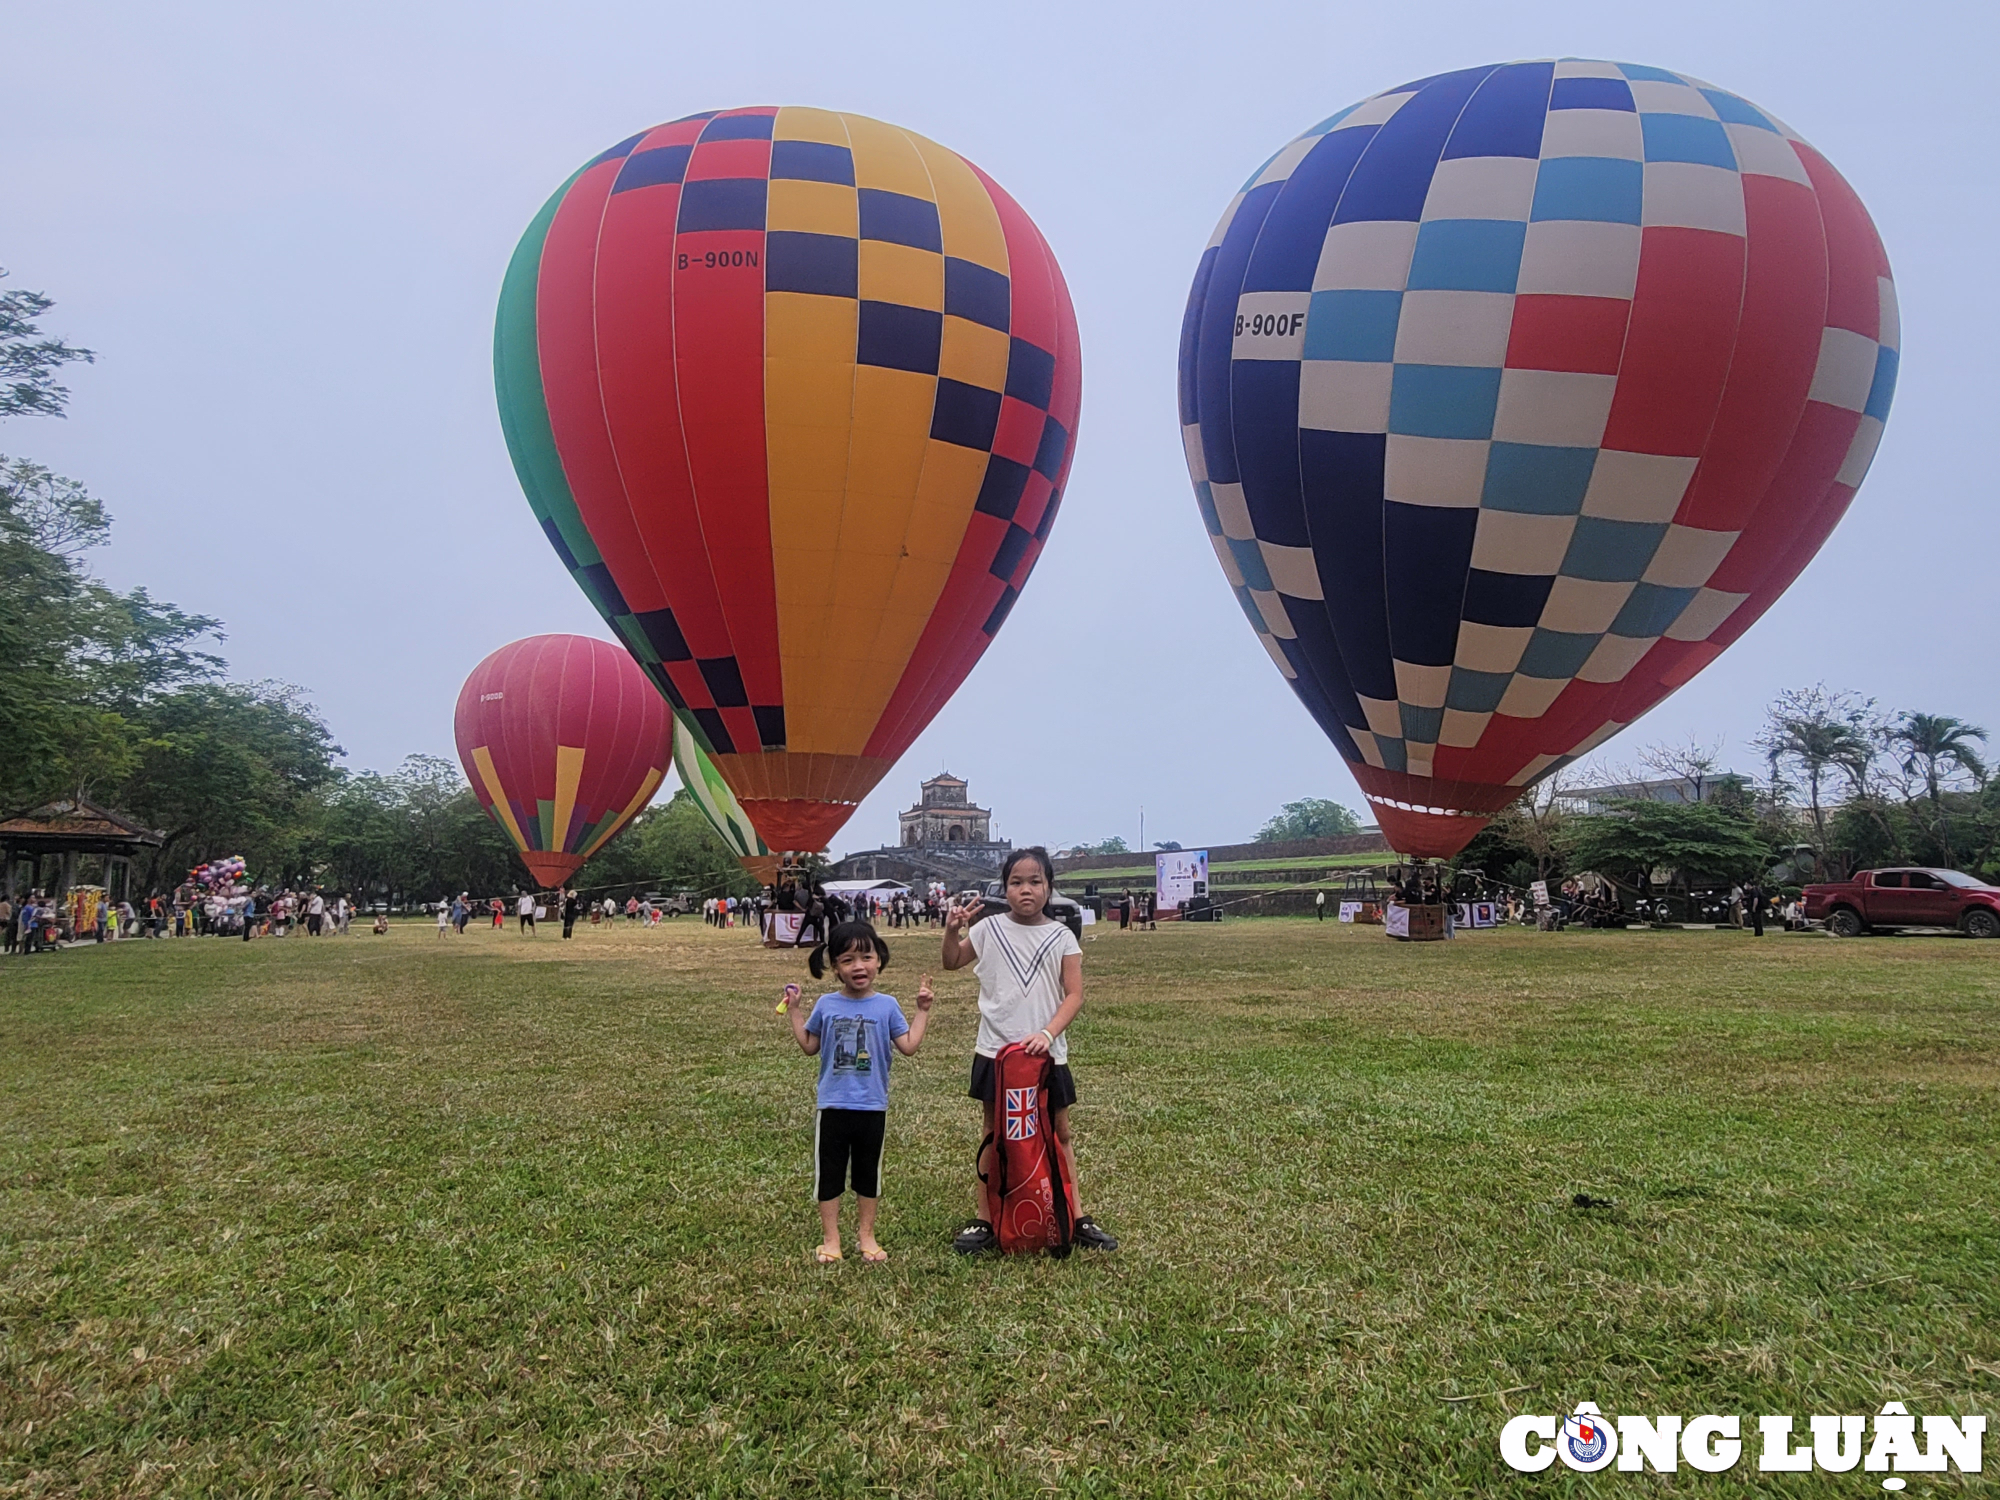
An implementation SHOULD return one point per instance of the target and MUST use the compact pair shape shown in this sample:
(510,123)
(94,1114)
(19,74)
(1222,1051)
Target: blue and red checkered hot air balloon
(793,394)
(1512,397)
(563,739)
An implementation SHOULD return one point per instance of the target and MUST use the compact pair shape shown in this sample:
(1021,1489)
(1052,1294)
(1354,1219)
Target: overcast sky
(284,227)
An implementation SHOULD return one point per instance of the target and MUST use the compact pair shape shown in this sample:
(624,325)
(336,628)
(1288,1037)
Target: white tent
(863,887)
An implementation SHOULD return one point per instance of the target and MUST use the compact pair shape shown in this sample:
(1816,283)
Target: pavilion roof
(75,825)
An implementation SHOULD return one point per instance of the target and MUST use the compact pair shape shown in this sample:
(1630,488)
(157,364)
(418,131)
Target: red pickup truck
(1883,900)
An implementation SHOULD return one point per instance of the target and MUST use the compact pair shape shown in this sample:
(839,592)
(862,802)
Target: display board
(1179,875)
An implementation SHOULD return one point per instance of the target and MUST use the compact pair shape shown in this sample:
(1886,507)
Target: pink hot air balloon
(564,739)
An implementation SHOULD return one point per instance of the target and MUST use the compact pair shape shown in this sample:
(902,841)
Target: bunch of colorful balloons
(219,874)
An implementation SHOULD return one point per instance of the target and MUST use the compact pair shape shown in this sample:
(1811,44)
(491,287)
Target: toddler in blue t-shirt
(853,1030)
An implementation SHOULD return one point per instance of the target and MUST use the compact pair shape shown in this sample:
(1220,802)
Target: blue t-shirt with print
(855,1039)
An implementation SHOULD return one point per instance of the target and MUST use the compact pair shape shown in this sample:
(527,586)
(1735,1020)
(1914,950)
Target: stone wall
(1353,843)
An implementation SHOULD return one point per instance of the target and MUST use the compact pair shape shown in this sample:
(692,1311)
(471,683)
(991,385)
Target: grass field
(492,1215)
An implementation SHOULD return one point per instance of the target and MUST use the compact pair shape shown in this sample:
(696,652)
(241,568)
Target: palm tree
(1935,746)
(1819,733)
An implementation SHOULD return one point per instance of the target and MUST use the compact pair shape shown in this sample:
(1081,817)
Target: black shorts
(844,1136)
(1062,1085)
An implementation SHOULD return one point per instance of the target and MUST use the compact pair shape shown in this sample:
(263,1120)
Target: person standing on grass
(524,908)
(572,908)
(1319,904)
(851,1030)
(444,918)
(1030,970)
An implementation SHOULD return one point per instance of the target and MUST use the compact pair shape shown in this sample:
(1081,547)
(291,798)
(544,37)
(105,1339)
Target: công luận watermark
(1587,1440)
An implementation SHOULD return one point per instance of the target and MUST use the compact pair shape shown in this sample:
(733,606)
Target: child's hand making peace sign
(925,994)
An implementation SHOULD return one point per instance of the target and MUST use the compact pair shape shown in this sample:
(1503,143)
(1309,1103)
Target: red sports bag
(1037,1200)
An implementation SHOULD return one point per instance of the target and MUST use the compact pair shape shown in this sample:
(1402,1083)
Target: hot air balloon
(563,740)
(718,804)
(1513,396)
(793,395)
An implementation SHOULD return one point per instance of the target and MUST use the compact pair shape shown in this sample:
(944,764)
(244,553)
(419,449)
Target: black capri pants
(844,1137)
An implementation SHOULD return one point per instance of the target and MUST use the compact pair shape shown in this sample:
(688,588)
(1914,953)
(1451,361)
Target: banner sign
(1396,921)
(1179,875)
(1484,914)
(1540,891)
(1348,910)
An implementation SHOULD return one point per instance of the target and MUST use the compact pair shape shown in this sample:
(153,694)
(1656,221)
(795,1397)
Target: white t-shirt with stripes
(1020,980)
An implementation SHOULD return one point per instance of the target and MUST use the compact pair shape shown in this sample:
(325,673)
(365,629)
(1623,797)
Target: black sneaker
(1088,1235)
(975,1237)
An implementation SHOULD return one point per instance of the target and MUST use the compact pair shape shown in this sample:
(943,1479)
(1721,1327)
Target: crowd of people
(39,924)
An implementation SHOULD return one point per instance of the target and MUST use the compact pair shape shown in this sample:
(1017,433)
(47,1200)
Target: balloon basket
(1413,924)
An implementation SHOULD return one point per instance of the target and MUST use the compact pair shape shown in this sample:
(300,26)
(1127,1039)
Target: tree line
(123,699)
(1841,785)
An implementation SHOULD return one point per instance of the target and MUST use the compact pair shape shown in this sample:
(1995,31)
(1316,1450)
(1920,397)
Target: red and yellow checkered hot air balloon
(793,394)
(563,740)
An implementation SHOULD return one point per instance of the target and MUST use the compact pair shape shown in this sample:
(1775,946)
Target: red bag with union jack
(1030,1180)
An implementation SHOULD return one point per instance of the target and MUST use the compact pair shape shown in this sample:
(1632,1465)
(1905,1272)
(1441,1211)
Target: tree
(1524,840)
(29,360)
(230,768)
(1693,763)
(1817,734)
(1309,818)
(669,848)
(1170,847)
(1639,836)
(1936,748)
(416,834)
(78,661)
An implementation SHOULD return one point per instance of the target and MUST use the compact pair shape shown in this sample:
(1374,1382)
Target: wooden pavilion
(63,830)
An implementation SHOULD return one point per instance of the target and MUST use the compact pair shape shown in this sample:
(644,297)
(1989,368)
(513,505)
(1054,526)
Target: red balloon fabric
(564,739)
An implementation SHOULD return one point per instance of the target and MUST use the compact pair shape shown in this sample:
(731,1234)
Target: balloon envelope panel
(718,804)
(1511,397)
(563,739)
(794,395)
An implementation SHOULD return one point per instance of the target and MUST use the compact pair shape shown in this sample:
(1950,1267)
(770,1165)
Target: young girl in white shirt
(1030,970)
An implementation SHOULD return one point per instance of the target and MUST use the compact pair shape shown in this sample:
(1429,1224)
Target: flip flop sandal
(823,1256)
(874,1257)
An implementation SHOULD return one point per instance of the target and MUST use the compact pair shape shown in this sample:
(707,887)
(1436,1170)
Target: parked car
(1884,900)
(993,901)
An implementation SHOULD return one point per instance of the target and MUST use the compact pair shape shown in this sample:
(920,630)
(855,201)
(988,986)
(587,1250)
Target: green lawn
(489,1216)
